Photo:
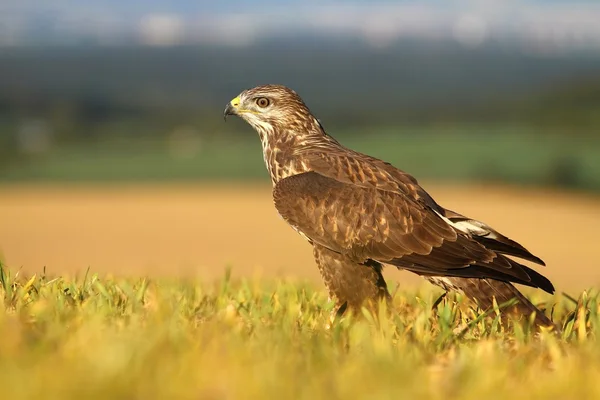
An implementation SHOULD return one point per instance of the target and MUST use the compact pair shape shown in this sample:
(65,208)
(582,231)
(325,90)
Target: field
(201,291)
(153,339)
(199,230)
(477,153)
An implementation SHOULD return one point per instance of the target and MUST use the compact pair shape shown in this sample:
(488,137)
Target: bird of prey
(360,213)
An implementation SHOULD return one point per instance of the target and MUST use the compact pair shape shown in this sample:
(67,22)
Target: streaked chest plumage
(279,157)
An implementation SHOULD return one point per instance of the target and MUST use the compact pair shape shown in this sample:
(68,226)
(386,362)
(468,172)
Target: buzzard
(360,213)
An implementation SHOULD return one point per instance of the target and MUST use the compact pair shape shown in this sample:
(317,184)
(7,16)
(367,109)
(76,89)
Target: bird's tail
(483,291)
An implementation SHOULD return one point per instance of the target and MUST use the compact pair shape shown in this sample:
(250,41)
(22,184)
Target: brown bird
(361,213)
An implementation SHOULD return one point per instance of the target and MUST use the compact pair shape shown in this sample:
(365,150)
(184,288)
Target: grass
(101,337)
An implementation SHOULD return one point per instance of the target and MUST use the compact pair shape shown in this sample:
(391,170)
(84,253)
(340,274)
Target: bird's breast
(281,165)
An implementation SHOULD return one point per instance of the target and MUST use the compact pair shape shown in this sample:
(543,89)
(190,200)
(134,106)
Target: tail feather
(504,245)
(484,291)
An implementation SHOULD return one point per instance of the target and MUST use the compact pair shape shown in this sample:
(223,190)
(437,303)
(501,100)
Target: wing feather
(380,219)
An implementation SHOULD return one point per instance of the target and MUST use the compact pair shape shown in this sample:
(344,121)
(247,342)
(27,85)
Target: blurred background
(114,154)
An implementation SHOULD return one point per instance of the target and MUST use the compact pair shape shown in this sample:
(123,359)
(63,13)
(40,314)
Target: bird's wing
(489,237)
(359,169)
(351,206)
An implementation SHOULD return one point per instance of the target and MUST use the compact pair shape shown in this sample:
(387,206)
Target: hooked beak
(231,108)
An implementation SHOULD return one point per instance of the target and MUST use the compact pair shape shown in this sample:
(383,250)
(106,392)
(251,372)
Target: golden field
(199,230)
(142,335)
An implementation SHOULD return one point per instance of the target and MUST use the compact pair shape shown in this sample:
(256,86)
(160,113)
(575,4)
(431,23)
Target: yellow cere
(235,103)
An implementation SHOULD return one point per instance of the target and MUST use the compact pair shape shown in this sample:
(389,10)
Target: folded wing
(364,213)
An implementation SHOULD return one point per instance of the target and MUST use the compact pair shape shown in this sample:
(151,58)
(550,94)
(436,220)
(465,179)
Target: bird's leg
(352,284)
(336,314)
(341,310)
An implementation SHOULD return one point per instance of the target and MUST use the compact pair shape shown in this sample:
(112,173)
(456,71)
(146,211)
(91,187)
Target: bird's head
(271,108)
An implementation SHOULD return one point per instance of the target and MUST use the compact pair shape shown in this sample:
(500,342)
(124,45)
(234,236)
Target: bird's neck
(280,150)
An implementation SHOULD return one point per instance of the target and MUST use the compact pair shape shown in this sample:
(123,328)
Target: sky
(545,24)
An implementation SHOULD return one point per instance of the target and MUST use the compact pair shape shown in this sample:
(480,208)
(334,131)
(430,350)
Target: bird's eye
(263,102)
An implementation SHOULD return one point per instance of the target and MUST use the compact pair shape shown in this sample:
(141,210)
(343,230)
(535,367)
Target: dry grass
(262,337)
